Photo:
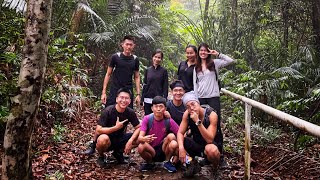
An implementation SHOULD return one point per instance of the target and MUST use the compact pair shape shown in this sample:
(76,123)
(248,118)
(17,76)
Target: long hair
(209,62)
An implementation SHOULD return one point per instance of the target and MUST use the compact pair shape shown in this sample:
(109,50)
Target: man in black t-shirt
(111,129)
(175,106)
(122,67)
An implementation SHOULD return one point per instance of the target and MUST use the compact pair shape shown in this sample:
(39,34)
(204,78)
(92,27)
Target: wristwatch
(198,123)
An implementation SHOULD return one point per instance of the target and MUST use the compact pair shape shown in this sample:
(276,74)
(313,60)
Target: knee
(212,151)
(173,145)
(171,137)
(141,148)
(103,140)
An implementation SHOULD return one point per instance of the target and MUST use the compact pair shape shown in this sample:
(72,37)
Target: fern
(263,135)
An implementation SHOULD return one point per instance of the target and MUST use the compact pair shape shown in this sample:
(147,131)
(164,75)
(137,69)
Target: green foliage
(10,39)
(264,135)
(58,132)
(65,92)
(305,140)
(55,176)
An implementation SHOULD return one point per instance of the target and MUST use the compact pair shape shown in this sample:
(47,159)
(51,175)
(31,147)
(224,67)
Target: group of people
(172,131)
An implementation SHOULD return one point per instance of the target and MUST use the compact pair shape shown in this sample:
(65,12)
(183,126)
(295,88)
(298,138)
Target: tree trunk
(205,20)
(285,42)
(16,163)
(76,18)
(316,26)
(234,24)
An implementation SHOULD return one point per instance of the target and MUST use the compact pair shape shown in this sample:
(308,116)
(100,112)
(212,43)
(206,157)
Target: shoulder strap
(206,114)
(150,122)
(167,124)
(134,56)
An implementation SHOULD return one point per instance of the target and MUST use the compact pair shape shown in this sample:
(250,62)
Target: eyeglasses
(124,98)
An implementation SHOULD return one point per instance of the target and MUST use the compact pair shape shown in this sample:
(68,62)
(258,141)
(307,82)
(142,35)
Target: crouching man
(158,137)
(203,125)
(111,129)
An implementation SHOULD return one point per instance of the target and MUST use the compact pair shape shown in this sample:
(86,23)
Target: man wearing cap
(175,106)
(203,123)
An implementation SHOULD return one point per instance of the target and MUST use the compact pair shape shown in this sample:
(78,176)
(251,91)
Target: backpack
(134,56)
(206,123)
(150,123)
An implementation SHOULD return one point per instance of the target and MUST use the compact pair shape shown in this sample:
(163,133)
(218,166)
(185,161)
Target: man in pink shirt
(158,137)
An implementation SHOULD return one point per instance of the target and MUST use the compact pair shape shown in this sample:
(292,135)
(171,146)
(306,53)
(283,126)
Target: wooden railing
(249,103)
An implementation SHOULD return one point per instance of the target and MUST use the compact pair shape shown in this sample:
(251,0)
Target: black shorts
(160,155)
(118,143)
(195,149)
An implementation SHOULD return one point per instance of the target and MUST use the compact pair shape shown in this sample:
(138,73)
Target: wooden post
(247,155)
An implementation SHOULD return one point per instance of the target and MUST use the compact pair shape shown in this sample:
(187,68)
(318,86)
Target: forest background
(276,45)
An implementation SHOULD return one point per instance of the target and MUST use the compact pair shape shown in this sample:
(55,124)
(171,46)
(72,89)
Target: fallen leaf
(45,157)
(65,161)
(87,174)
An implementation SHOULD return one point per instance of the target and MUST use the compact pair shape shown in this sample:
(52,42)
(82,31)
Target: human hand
(149,138)
(103,98)
(213,52)
(128,147)
(167,115)
(194,116)
(182,155)
(120,124)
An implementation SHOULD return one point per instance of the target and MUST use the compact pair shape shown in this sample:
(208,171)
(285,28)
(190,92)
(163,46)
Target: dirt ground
(64,160)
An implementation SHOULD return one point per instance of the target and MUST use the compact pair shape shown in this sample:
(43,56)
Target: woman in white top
(205,79)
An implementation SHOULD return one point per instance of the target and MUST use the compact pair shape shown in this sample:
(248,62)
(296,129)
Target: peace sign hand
(120,124)
(213,52)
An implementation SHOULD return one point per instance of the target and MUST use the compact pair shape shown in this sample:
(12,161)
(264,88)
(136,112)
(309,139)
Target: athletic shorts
(160,155)
(118,143)
(195,149)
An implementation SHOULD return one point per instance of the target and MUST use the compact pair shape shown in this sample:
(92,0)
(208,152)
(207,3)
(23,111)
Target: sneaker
(91,150)
(169,166)
(146,167)
(119,157)
(102,162)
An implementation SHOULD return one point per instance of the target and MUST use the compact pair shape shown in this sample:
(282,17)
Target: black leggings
(214,102)
(147,108)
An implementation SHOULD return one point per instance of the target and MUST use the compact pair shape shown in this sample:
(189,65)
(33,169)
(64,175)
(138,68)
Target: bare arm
(182,129)
(180,136)
(133,140)
(209,133)
(137,81)
(135,133)
(105,84)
